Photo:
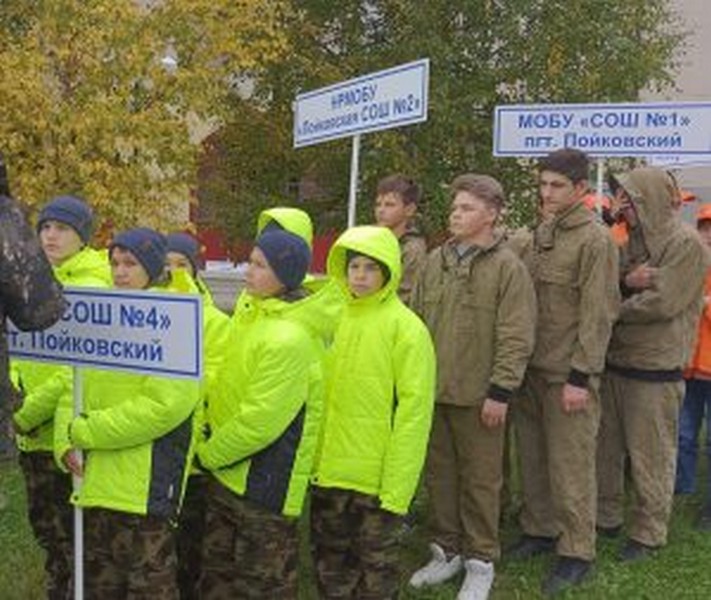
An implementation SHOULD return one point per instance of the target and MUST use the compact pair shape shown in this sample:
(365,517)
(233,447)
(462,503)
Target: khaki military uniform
(642,387)
(573,262)
(480,309)
(413,250)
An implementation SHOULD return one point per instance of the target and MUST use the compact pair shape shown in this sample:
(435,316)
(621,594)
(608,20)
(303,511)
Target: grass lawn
(682,570)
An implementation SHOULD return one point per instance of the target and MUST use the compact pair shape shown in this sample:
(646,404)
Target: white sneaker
(478,580)
(439,569)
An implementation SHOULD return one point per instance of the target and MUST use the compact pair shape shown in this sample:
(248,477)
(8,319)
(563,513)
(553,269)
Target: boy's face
(470,217)
(59,241)
(623,206)
(392,212)
(365,276)
(260,280)
(557,192)
(127,272)
(704,228)
(176,260)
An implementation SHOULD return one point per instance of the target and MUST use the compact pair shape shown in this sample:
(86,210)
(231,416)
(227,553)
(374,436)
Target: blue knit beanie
(69,210)
(148,246)
(187,245)
(287,254)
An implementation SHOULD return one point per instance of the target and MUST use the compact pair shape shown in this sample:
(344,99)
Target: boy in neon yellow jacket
(183,255)
(64,227)
(264,415)
(377,417)
(137,433)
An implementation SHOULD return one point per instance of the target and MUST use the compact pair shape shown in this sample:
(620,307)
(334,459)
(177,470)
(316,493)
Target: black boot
(634,551)
(567,572)
(529,546)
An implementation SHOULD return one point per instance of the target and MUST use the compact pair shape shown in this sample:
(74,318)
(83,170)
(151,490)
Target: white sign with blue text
(146,332)
(604,130)
(382,100)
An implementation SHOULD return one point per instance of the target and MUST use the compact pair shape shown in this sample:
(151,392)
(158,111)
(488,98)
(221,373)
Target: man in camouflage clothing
(29,294)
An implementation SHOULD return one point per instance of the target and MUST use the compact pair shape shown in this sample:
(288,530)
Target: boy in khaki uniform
(396,202)
(642,387)
(478,301)
(573,263)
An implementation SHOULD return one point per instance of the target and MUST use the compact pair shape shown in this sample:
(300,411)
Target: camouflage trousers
(190,535)
(51,517)
(128,557)
(248,552)
(354,545)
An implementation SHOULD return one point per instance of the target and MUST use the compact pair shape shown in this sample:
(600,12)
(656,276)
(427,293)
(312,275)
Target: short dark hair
(571,162)
(402,186)
(484,187)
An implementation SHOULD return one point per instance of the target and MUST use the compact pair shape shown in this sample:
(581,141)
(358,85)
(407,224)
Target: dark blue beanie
(69,210)
(187,245)
(288,255)
(148,246)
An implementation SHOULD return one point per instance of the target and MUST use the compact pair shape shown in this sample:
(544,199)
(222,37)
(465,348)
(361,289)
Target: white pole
(78,515)
(353,191)
(599,186)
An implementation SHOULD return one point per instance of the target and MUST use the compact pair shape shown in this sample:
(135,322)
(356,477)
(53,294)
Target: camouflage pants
(191,532)
(248,552)
(128,557)
(51,517)
(354,545)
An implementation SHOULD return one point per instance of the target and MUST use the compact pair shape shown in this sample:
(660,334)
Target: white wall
(693,81)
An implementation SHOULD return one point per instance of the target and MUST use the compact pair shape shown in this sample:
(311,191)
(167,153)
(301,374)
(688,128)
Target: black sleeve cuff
(499,394)
(578,378)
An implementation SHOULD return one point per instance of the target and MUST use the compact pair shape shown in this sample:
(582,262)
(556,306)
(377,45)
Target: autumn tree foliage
(482,53)
(109,99)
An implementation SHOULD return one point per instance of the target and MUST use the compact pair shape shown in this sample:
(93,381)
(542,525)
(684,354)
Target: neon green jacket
(331,297)
(265,407)
(138,437)
(380,386)
(216,328)
(43,383)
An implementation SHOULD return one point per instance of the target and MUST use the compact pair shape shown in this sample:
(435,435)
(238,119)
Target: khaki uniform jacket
(481,312)
(413,250)
(656,326)
(574,266)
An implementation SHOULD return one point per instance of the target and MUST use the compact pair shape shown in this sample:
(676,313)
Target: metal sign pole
(353,191)
(78,514)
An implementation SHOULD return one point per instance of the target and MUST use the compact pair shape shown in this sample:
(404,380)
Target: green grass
(21,571)
(682,570)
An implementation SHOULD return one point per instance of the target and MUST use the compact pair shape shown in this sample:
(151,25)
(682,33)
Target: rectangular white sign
(678,162)
(382,100)
(625,129)
(146,332)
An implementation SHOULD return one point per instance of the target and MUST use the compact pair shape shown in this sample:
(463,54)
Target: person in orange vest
(697,399)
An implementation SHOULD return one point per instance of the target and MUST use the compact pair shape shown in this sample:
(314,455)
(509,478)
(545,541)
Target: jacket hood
(652,192)
(377,242)
(89,266)
(294,220)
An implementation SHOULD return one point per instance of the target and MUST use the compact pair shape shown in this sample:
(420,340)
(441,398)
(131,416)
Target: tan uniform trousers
(557,453)
(640,419)
(464,477)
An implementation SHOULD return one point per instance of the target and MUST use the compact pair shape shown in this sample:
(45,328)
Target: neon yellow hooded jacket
(43,383)
(137,434)
(265,406)
(380,387)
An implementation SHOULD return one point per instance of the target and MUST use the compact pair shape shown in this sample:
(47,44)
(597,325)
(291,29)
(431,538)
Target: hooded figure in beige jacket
(642,387)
